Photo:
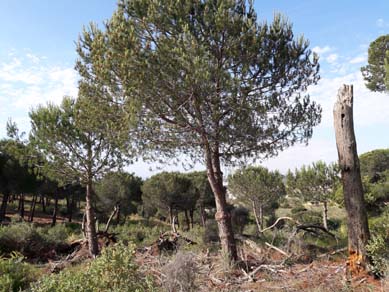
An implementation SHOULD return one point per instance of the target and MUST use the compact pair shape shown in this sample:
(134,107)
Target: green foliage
(118,189)
(75,141)
(257,187)
(169,191)
(375,178)
(205,75)
(374,162)
(378,250)
(239,218)
(32,241)
(378,247)
(200,182)
(316,182)
(376,71)
(113,271)
(15,275)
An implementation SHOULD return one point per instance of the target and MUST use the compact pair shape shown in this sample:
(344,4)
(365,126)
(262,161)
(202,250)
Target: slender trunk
(83,224)
(32,208)
(48,201)
(358,229)
(222,216)
(261,216)
(257,220)
(19,203)
(118,214)
(174,224)
(191,212)
(177,220)
(325,215)
(54,218)
(115,211)
(203,215)
(187,219)
(3,209)
(91,235)
(21,209)
(43,204)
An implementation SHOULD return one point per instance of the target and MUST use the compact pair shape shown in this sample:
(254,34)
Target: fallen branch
(278,220)
(277,249)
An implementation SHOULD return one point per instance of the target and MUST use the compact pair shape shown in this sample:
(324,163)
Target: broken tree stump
(358,230)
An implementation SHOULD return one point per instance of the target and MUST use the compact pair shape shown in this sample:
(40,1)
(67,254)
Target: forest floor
(261,268)
(268,271)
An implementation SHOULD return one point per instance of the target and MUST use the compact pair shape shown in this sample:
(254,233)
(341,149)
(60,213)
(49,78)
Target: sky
(37,57)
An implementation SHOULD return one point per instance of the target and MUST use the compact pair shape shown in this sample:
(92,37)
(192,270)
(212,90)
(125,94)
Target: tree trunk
(21,204)
(54,218)
(203,216)
(257,220)
(115,211)
(191,212)
(187,219)
(118,214)
(43,203)
(174,230)
(32,208)
(222,216)
(325,215)
(358,230)
(91,235)
(3,209)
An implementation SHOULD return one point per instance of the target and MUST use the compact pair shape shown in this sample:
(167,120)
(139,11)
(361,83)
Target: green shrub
(113,271)
(211,233)
(15,274)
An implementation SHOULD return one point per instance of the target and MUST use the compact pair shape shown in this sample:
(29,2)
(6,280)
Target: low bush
(181,273)
(113,271)
(15,275)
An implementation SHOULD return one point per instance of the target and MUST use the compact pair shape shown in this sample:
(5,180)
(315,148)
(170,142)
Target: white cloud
(332,58)
(322,50)
(27,80)
(381,23)
(359,59)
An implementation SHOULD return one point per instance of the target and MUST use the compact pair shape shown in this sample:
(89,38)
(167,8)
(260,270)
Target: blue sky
(37,54)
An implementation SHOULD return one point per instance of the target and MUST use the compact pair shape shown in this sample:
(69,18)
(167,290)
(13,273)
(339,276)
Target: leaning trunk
(325,215)
(118,214)
(91,235)
(358,230)
(3,209)
(257,220)
(222,216)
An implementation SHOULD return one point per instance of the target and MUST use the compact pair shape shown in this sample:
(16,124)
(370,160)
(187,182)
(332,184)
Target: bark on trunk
(43,204)
(118,214)
(191,212)
(325,215)
(54,218)
(203,216)
(358,230)
(3,209)
(187,219)
(222,216)
(115,211)
(32,208)
(91,235)
(21,208)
